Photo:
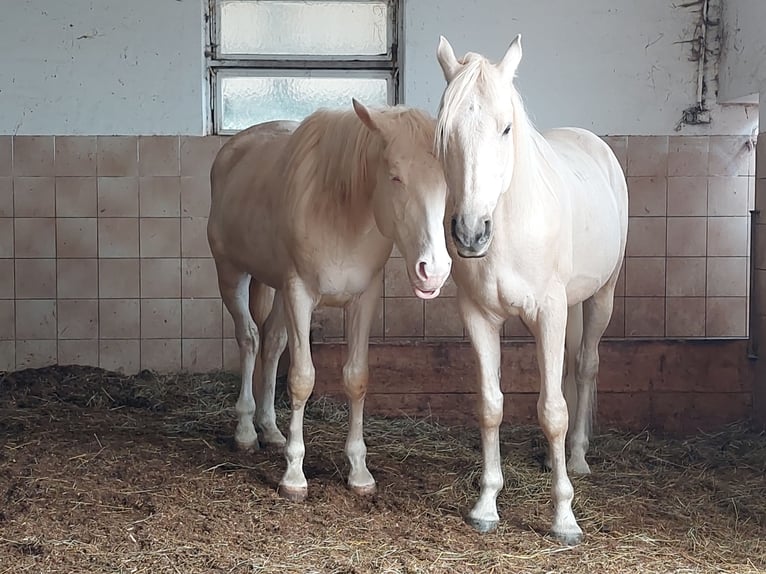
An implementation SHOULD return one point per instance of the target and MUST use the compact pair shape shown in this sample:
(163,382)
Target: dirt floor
(105,473)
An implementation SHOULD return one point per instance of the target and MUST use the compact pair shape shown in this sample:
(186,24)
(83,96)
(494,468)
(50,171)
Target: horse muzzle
(472,237)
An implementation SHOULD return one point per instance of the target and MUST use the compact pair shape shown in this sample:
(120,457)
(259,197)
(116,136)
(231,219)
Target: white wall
(613,67)
(137,66)
(101,67)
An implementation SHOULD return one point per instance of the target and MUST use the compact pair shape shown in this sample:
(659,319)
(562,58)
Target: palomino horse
(538,225)
(305,215)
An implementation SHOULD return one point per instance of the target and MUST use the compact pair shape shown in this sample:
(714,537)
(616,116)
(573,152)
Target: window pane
(284,28)
(250,100)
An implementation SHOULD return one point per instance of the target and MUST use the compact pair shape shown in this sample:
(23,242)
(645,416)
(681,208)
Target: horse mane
(331,160)
(531,150)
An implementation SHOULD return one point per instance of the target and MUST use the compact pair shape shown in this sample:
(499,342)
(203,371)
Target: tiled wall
(104,258)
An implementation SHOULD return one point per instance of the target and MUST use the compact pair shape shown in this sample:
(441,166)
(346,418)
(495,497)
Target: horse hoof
(568,538)
(272,439)
(292,493)
(366,490)
(482,526)
(580,467)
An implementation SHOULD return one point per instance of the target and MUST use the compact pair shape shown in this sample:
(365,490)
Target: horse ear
(510,61)
(447,60)
(364,114)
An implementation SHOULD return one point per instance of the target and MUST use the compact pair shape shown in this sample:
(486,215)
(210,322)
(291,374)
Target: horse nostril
(422,273)
(487,227)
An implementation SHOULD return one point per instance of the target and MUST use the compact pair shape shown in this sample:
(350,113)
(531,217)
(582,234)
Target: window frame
(219,65)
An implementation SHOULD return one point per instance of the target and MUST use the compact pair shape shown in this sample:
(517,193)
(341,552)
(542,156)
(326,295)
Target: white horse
(305,215)
(538,225)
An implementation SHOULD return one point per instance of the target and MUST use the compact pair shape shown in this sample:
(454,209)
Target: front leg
(298,306)
(355,378)
(550,331)
(484,333)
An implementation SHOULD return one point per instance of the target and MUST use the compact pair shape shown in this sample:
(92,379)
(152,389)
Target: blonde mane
(332,158)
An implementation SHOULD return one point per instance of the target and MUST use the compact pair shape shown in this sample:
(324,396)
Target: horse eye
(507,130)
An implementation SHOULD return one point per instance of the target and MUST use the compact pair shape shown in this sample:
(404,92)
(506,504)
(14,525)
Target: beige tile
(76,197)
(195,196)
(729,155)
(76,352)
(199,278)
(396,280)
(6,155)
(727,195)
(327,323)
(646,236)
(118,237)
(161,355)
(76,237)
(160,237)
(645,276)
(616,327)
(35,237)
(161,319)
(231,356)
(33,155)
(119,319)
(686,276)
(228,322)
(619,288)
(118,196)
(726,276)
(648,196)
(7,279)
(123,356)
(7,355)
(7,240)
(687,236)
(726,317)
(119,278)
(75,155)
(198,153)
(158,155)
(78,319)
(35,278)
(685,317)
(34,197)
(117,155)
(644,316)
(194,241)
(647,155)
(159,196)
(619,146)
(688,155)
(7,320)
(727,236)
(202,318)
(77,278)
(403,317)
(34,354)
(6,196)
(160,278)
(687,196)
(442,318)
(202,355)
(36,319)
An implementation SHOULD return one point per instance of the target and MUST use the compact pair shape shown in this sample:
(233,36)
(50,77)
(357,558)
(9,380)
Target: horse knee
(491,411)
(587,367)
(553,415)
(247,338)
(301,383)
(355,381)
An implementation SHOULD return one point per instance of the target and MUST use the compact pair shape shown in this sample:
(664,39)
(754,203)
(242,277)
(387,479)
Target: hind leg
(268,312)
(597,311)
(235,287)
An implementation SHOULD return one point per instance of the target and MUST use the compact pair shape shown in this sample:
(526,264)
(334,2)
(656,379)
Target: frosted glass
(274,28)
(250,100)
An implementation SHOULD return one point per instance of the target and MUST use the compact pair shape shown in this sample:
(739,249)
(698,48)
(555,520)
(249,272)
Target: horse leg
(298,307)
(234,286)
(552,410)
(269,315)
(597,311)
(355,379)
(569,383)
(485,340)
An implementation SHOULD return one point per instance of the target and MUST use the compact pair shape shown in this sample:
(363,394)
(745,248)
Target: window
(283,59)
